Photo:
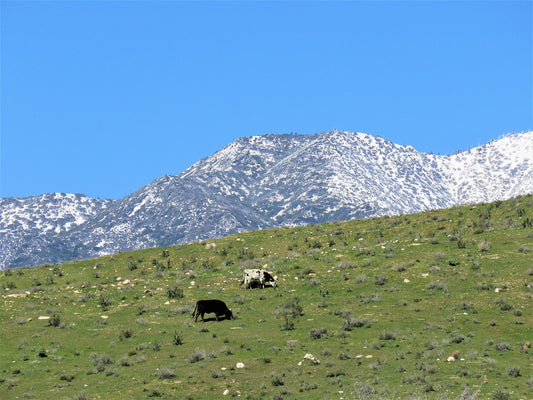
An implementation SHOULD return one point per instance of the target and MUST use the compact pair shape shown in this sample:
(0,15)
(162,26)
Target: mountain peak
(265,181)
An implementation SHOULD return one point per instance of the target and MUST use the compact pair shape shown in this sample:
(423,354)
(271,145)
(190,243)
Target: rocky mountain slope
(28,225)
(266,181)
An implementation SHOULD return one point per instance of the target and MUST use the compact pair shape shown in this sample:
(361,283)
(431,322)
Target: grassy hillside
(435,305)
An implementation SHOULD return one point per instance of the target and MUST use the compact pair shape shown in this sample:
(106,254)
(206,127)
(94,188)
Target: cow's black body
(211,306)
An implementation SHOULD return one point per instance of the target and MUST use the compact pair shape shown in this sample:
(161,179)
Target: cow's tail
(195,308)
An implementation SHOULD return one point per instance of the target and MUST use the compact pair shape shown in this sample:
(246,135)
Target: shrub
(239,300)
(387,335)
(288,325)
(165,373)
(277,380)
(373,298)
(484,286)
(504,304)
(199,355)
(174,293)
(55,320)
(457,338)
(318,333)
(67,377)
(454,261)
(438,285)
(484,246)
(513,371)
(502,346)
(500,394)
(81,396)
(350,323)
(227,350)
(105,301)
(316,244)
(125,362)
(292,308)
(125,334)
(100,361)
(177,340)
(306,386)
(343,313)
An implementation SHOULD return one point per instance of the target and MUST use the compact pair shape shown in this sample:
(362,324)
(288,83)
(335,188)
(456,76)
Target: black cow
(211,306)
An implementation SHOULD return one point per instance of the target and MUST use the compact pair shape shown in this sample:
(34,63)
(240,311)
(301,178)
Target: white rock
(240,365)
(312,358)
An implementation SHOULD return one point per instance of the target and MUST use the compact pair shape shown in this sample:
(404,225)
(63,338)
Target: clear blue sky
(102,97)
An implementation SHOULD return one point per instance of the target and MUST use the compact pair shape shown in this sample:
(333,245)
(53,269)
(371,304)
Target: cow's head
(269,278)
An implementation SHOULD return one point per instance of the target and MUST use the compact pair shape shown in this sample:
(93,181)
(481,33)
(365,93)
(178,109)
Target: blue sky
(102,97)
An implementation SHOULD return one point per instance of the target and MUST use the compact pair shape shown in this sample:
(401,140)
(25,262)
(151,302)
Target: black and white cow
(211,306)
(252,278)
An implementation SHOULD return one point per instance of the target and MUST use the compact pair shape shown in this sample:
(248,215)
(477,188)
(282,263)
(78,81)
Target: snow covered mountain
(28,225)
(265,181)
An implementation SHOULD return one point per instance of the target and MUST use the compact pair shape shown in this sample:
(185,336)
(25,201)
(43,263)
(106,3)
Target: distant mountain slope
(276,180)
(28,225)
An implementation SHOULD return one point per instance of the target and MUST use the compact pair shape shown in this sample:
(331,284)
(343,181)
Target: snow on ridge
(270,180)
(495,171)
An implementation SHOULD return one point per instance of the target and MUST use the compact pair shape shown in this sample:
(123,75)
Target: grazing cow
(257,278)
(211,306)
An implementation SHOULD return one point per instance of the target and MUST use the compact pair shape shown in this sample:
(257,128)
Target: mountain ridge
(258,182)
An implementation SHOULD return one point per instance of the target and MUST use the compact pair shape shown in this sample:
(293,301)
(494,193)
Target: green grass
(381,304)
